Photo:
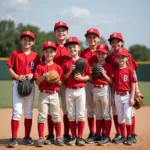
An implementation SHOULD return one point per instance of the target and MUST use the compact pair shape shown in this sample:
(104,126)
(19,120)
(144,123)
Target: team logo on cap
(49,43)
(28,32)
(101,46)
(120,50)
(70,39)
(61,23)
(115,34)
(91,30)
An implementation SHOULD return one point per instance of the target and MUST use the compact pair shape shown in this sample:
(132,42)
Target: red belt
(49,91)
(78,87)
(98,85)
(121,93)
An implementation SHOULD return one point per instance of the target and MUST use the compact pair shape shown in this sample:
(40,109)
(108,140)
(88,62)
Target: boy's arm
(14,75)
(40,79)
(132,93)
(79,77)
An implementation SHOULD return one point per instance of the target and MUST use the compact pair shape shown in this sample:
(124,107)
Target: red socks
(73,128)
(107,127)
(123,127)
(117,126)
(41,130)
(27,124)
(50,124)
(80,128)
(91,124)
(99,124)
(14,127)
(133,124)
(66,124)
(129,130)
(58,129)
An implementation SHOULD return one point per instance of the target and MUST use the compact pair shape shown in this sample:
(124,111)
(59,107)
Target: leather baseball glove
(53,77)
(24,88)
(138,100)
(96,74)
(80,67)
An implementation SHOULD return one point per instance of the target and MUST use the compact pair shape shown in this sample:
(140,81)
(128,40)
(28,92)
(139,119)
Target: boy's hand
(29,76)
(78,77)
(131,101)
(103,71)
(21,77)
(72,68)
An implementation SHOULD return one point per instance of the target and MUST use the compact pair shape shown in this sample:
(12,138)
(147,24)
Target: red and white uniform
(123,79)
(22,64)
(75,96)
(101,98)
(48,99)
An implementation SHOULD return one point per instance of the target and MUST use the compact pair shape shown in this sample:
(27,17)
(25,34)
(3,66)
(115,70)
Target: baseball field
(142,124)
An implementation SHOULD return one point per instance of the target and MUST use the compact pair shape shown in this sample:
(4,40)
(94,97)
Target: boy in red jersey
(101,94)
(116,41)
(48,97)
(75,91)
(21,66)
(92,38)
(124,90)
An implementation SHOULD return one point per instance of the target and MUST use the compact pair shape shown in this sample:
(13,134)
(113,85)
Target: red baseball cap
(49,44)
(121,51)
(115,35)
(92,30)
(60,24)
(72,40)
(102,48)
(27,33)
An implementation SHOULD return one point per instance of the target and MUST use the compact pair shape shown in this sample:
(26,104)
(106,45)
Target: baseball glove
(96,74)
(80,67)
(138,100)
(53,77)
(24,88)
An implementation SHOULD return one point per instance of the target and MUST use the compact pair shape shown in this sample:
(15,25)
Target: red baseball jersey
(111,59)
(87,54)
(43,68)
(23,64)
(108,68)
(123,79)
(61,54)
(71,82)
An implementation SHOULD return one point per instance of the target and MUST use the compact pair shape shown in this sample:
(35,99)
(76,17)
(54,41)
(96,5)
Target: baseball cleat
(49,139)
(28,141)
(12,142)
(39,142)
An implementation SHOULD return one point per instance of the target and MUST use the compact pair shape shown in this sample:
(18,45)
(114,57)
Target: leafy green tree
(140,52)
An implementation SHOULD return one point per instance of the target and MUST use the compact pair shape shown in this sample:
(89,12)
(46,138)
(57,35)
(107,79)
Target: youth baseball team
(80,95)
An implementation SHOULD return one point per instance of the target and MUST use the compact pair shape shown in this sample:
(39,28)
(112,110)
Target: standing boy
(21,66)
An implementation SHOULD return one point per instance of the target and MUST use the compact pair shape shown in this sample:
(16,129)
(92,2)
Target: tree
(140,52)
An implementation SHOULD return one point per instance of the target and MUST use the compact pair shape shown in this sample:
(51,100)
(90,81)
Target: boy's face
(61,33)
(73,49)
(49,53)
(27,42)
(92,39)
(122,59)
(101,56)
(116,43)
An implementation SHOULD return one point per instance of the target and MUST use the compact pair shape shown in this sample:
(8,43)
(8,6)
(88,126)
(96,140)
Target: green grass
(6,93)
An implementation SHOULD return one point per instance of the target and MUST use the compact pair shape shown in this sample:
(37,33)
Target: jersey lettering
(31,65)
(125,79)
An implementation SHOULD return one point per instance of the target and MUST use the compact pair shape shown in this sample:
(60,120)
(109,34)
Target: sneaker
(39,142)
(134,138)
(121,140)
(12,142)
(67,138)
(97,139)
(49,139)
(28,141)
(129,141)
(90,138)
(105,140)
(60,142)
(80,141)
(72,141)
(116,138)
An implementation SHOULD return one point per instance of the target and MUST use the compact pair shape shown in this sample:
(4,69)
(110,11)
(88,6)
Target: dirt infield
(142,129)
